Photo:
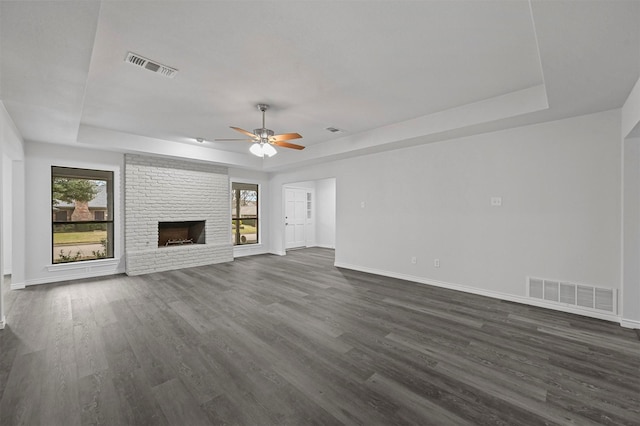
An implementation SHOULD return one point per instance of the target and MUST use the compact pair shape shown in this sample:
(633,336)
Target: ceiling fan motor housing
(263,134)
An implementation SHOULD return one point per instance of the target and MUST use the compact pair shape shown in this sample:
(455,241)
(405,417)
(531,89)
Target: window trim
(110,176)
(258,213)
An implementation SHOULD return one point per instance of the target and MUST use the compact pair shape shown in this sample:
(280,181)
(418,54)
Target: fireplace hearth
(181,233)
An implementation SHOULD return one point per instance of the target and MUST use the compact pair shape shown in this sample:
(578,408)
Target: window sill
(247,246)
(81,265)
(248,250)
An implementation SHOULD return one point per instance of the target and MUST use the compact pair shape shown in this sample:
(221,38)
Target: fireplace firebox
(181,233)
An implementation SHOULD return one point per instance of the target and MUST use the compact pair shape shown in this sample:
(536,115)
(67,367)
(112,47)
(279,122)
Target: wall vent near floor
(568,293)
(142,62)
(578,295)
(551,290)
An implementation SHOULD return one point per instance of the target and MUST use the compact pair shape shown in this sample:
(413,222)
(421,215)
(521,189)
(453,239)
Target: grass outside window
(79,237)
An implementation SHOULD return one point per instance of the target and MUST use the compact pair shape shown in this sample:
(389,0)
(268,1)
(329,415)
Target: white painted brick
(159,189)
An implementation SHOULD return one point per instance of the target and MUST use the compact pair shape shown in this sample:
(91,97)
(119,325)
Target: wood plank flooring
(268,340)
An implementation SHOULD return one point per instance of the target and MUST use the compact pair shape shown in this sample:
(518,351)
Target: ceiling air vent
(148,64)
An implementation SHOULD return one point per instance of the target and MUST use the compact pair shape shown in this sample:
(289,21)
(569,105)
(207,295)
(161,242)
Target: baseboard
(278,252)
(629,323)
(68,277)
(248,250)
(325,246)
(483,292)
(74,271)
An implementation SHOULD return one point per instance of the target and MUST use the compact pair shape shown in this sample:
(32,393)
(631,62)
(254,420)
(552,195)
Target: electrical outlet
(362,204)
(496,201)
(436,263)
(414,260)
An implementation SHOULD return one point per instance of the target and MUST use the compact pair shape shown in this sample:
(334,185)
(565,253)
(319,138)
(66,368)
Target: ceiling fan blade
(226,140)
(238,129)
(285,137)
(287,145)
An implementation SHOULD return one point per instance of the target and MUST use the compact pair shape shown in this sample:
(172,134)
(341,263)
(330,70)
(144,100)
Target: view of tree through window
(82,214)
(244,213)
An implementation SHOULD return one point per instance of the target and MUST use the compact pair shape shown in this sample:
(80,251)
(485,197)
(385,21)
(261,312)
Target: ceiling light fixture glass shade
(262,149)
(269,150)
(256,149)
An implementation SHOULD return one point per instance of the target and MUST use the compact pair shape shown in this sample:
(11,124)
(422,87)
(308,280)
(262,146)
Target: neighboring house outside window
(244,213)
(63,211)
(60,216)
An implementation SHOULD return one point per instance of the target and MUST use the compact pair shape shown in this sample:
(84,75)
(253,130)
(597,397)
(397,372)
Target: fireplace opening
(181,233)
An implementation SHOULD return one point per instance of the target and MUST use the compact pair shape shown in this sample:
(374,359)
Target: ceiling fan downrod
(263,133)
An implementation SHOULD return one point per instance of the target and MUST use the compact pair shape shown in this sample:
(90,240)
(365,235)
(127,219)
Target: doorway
(296,216)
(310,214)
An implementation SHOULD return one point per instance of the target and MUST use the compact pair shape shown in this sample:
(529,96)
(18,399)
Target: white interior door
(295,214)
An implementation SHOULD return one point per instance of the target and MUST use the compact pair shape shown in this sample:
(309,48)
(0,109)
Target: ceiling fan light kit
(269,150)
(262,149)
(263,139)
(256,149)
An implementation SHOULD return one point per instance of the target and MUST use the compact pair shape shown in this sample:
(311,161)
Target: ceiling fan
(263,139)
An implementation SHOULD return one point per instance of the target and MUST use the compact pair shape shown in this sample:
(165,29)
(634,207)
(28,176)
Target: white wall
(11,152)
(19,224)
(561,216)
(631,111)
(7,206)
(631,234)
(39,159)
(631,209)
(11,143)
(325,204)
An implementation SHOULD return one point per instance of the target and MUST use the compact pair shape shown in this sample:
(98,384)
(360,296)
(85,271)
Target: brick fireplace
(167,199)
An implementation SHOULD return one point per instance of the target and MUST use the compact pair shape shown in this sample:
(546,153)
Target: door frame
(284,213)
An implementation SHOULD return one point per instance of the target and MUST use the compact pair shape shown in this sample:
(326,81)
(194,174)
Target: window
(82,214)
(244,213)
(60,216)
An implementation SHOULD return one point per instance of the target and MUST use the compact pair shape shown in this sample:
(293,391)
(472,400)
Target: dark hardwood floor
(268,340)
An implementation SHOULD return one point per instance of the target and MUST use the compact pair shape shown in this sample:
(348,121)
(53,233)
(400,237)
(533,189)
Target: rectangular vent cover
(568,293)
(141,61)
(579,295)
(551,291)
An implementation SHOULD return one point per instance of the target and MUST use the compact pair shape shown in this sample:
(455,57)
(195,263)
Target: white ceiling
(389,73)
